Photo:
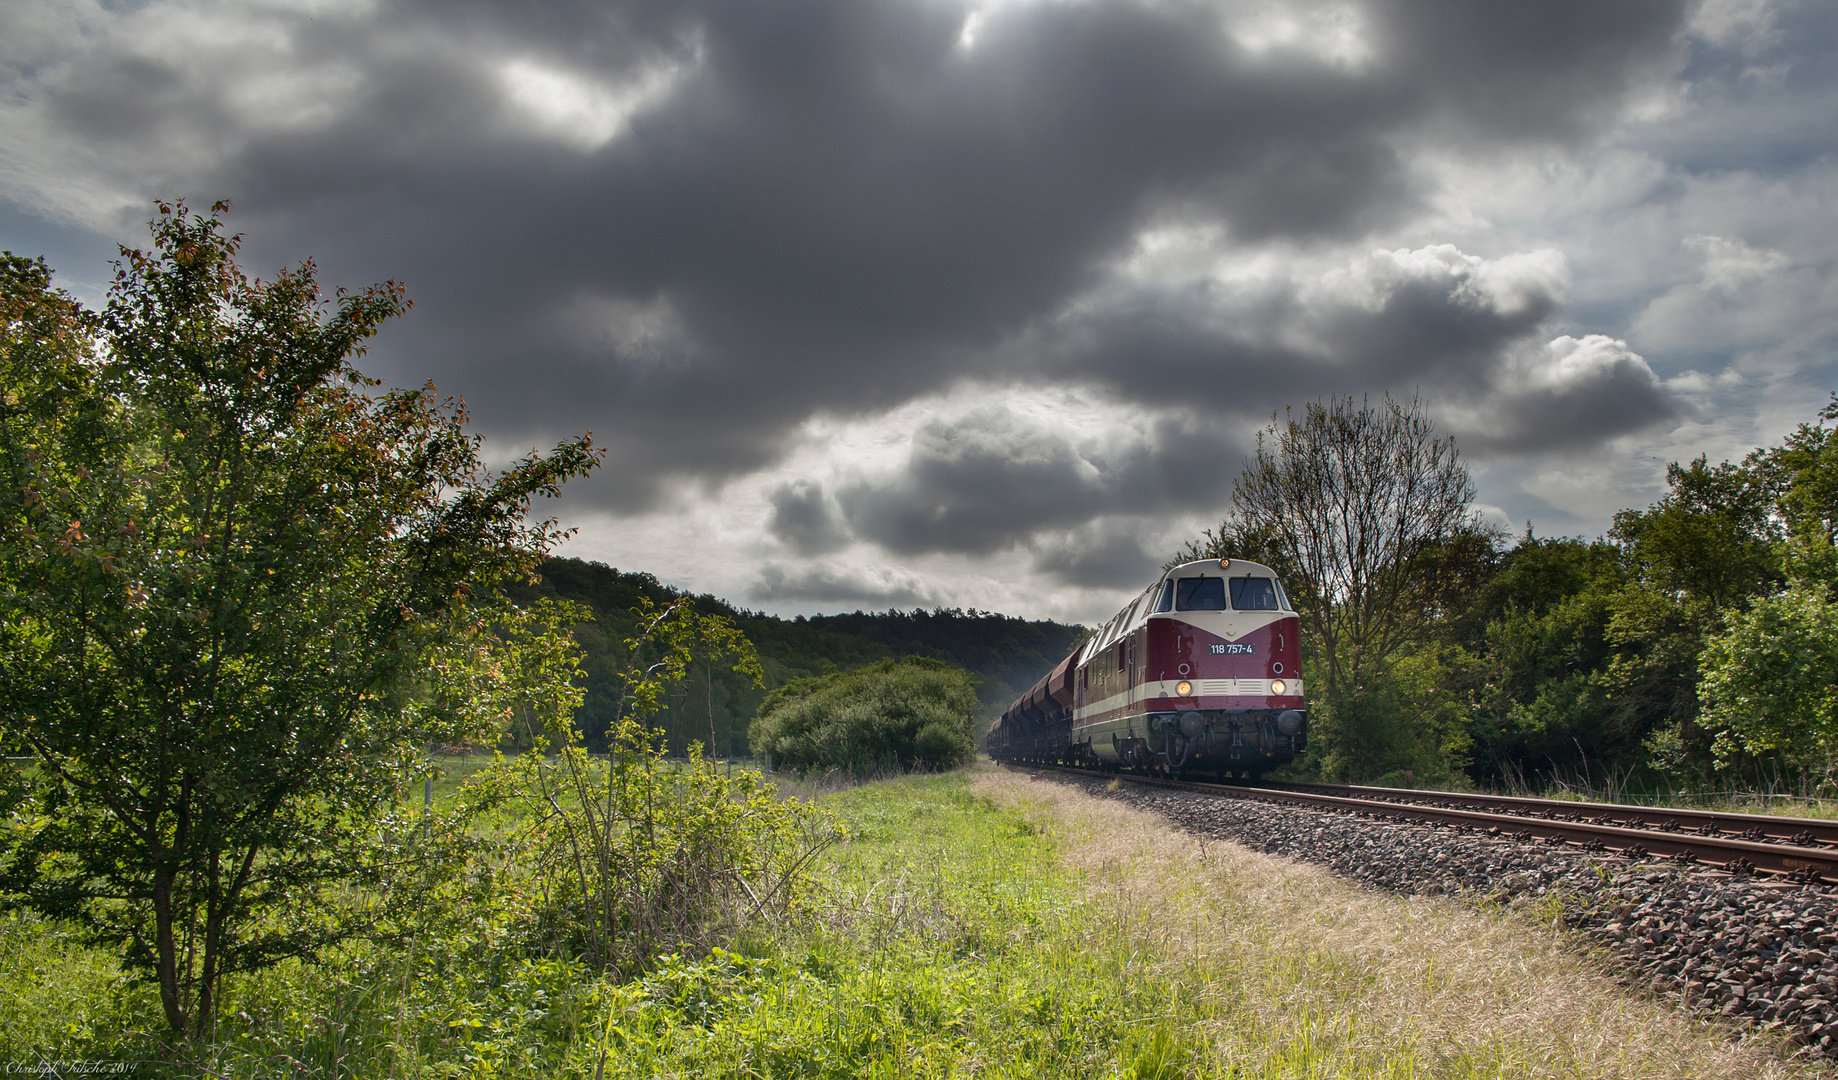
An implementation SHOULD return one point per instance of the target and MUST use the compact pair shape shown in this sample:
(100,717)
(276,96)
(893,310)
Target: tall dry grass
(1354,982)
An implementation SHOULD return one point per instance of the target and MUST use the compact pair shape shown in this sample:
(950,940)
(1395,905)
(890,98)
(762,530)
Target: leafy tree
(1770,680)
(1349,500)
(1564,655)
(527,674)
(229,573)
(893,716)
(1366,515)
(640,857)
(1804,471)
(1712,540)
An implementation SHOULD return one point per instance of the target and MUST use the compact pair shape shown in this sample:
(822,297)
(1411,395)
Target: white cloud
(1735,22)
(1334,32)
(1567,364)
(1770,312)
(190,84)
(581,111)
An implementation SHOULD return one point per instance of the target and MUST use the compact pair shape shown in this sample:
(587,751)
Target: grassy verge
(1282,970)
(974,924)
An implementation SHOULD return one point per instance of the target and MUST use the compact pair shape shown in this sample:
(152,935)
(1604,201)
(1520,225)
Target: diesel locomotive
(1201,673)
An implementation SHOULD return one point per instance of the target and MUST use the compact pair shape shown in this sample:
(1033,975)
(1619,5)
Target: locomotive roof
(1137,610)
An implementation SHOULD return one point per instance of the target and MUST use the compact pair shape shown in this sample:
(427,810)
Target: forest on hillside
(1007,654)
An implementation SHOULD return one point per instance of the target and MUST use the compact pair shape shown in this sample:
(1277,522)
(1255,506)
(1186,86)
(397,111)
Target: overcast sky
(980,302)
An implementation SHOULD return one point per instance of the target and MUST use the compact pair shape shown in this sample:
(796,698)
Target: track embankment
(1754,952)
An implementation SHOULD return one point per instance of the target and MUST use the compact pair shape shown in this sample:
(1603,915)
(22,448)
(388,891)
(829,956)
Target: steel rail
(1720,852)
(1802,832)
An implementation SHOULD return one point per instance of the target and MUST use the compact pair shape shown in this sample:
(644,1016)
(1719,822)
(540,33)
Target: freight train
(1202,673)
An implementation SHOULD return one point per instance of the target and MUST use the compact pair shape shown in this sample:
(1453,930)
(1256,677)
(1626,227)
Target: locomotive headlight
(1278,686)
(1183,689)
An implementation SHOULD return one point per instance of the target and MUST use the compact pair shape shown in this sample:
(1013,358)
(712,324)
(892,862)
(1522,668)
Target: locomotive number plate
(1234,647)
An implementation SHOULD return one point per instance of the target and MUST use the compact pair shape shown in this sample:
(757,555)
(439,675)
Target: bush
(1770,681)
(637,856)
(894,716)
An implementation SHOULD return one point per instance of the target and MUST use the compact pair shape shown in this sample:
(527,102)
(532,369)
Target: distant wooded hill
(1009,654)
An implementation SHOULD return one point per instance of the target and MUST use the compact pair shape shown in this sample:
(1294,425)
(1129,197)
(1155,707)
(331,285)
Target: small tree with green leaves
(229,570)
(1770,680)
(642,855)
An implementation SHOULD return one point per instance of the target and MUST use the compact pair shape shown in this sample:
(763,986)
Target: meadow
(972,923)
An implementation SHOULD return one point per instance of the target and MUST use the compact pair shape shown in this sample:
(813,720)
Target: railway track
(1802,848)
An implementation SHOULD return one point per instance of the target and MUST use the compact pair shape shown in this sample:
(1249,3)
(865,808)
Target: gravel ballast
(1749,951)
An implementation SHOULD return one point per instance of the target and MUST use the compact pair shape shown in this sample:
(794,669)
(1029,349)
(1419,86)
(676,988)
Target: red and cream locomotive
(1201,672)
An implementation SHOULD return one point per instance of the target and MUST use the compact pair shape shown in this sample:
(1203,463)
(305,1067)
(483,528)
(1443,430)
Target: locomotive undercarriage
(1224,741)
(1243,741)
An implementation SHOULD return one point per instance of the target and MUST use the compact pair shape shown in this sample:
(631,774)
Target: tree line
(1694,645)
(715,705)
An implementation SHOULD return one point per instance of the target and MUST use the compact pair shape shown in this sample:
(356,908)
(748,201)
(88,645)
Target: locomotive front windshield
(1199,594)
(1254,594)
(1208,594)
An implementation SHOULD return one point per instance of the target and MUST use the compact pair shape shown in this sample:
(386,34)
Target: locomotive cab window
(1254,594)
(1199,594)
(1166,603)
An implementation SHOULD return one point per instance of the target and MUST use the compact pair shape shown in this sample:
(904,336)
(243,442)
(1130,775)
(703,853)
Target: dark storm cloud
(1570,394)
(1107,553)
(1506,70)
(993,480)
(834,205)
(778,585)
(803,519)
(1468,335)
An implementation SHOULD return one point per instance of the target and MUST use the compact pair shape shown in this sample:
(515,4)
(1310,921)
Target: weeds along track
(1748,949)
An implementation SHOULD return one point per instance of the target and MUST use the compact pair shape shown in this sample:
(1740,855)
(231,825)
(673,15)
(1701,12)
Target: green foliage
(1008,654)
(1402,727)
(1636,653)
(1570,660)
(1771,679)
(229,576)
(1713,538)
(1365,515)
(635,856)
(1804,469)
(527,672)
(949,937)
(892,716)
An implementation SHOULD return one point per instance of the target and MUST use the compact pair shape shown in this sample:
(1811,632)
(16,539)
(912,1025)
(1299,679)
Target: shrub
(893,716)
(638,856)
(1770,680)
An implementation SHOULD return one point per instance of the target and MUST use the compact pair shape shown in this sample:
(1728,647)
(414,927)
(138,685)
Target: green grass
(950,945)
(945,941)
(954,935)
